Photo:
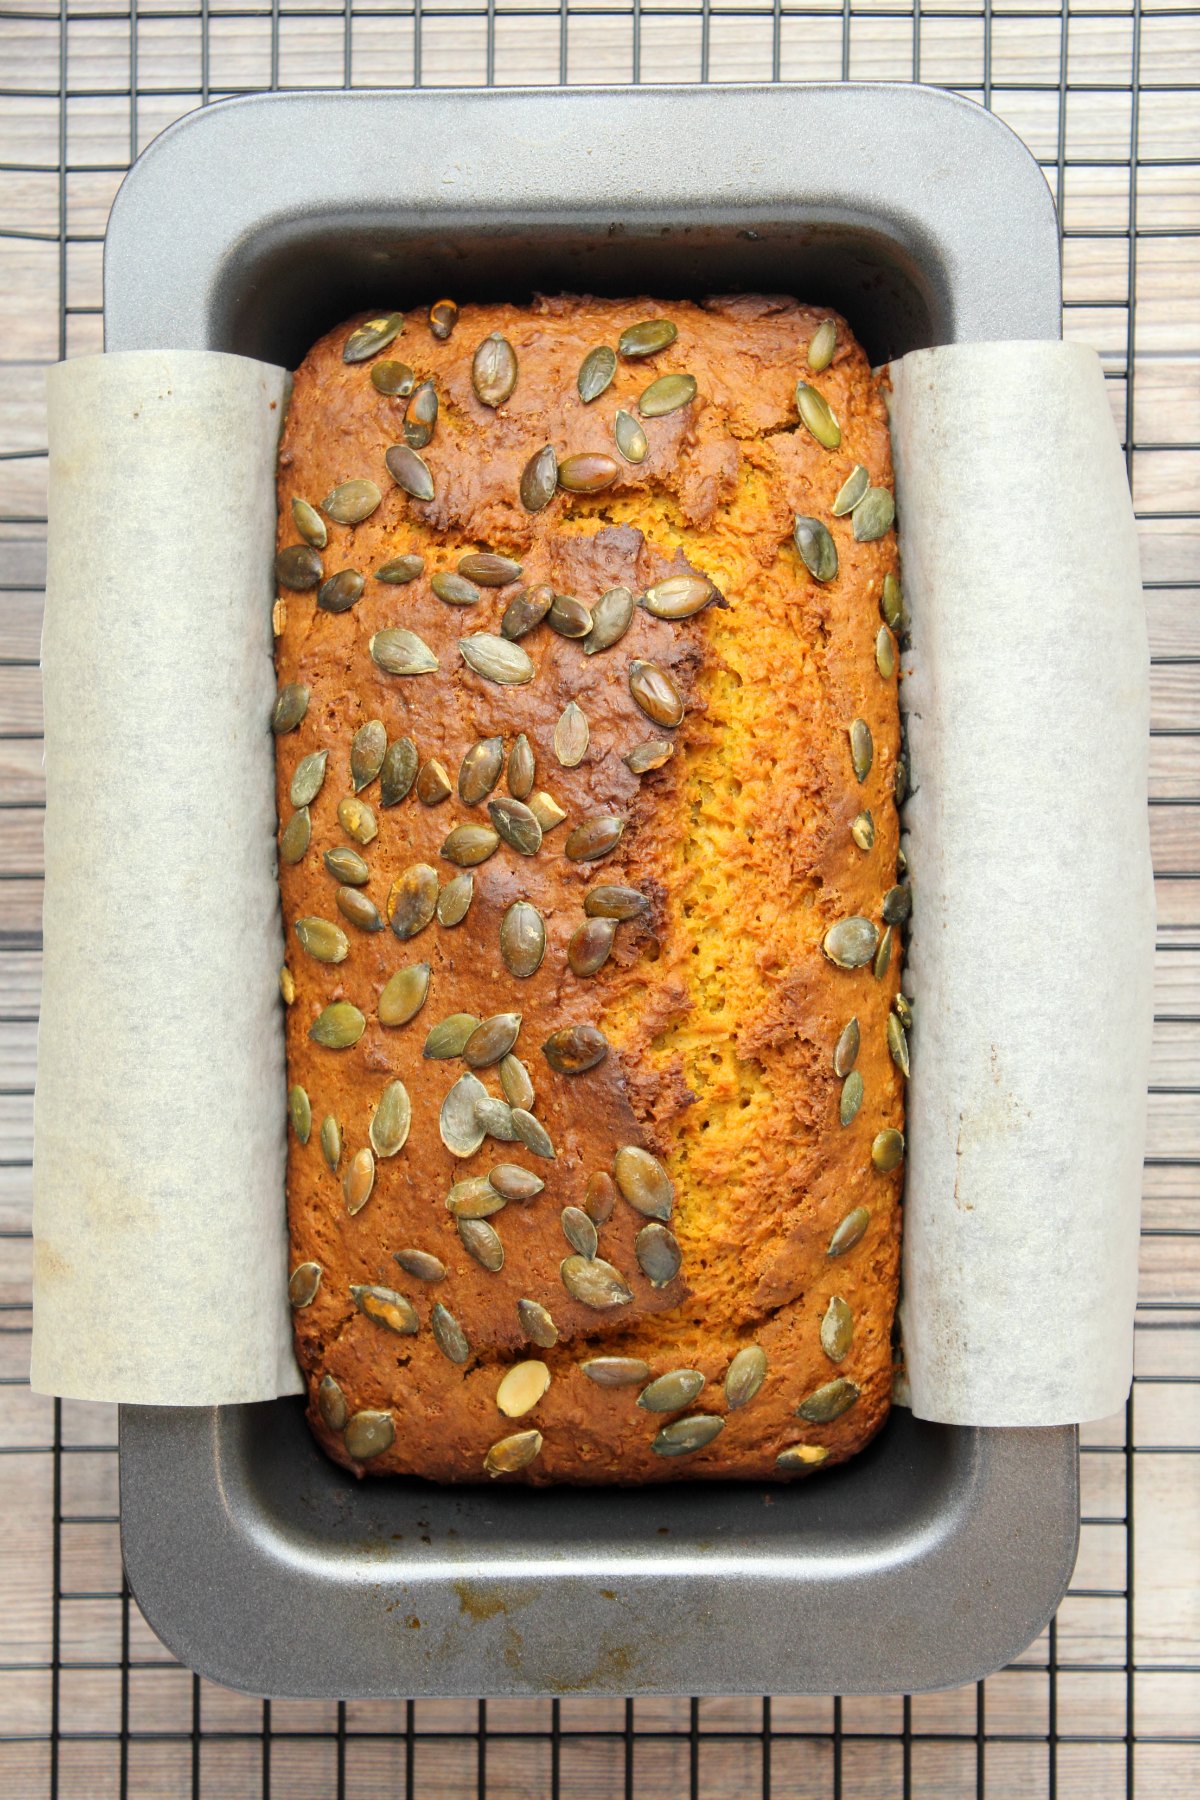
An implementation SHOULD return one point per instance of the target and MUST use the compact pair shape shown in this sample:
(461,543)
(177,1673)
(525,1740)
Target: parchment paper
(160,1246)
(1027,695)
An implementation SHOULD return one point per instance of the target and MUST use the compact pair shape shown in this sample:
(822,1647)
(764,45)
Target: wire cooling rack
(1107,1702)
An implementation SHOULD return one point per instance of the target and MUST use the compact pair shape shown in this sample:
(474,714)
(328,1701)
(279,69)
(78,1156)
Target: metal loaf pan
(938,1553)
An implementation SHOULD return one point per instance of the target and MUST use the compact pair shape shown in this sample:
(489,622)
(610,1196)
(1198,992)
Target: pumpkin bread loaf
(588,746)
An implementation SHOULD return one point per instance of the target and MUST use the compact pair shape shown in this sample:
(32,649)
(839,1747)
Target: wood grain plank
(1174,1061)
(20,981)
(20,910)
(21,624)
(1174,838)
(1175,697)
(20,700)
(22,777)
(18,1052)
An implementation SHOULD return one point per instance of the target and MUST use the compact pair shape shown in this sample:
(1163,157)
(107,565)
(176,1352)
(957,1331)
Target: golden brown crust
(719,1007)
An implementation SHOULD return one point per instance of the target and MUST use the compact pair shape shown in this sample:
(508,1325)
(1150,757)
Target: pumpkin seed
(521,1388)
(495,1118)
(433,783)
(632,441)
(594,1282)
(469,845)
(744,1376)
(421,417)
(522,939)
(851,942)
(308,777)
(845,1054)
(454,900)
(298,568)
(295,837)
(331,1142)
(852,1097)
(367,751)
(391,1120)
(901,864)
(496,659)
(594,837)
(341,591)
(351,502)
(883,955)
(494,370)
(683,1436)
(454,589)
(518,1088)
(546,811)
(574,1049)
(569,617)
(850,1232)
(829,1402)
(579,1231)
(525,610)
(644,1182)
(492,1039)
(443,317)
(517,825)
(409,471)
(404,994)
(609,901)
(368,1433)
(873,516)
(357,820)
(600,1197)
(902,1007)
(346,865)
(393,378)
(448,1334)
(885,653)
(862,748)
(818,552)
(616,1371)
(324,941)
(487,570)
(596,372)
(309,524)
(374,335)
(653,690)
(449,1036)
(571,736)
(887,1152)
(897,905)
(384,1306)
(851,491)
(421,1265)
(300,1113)
(532,1133)
(412,900)
(612,616)
(460,1130)
(539,479)
(513,1453)
(863,831)
(474,1199)
(400,570)
(671,1392)
(522,769)
(822,346)
(338,1027)
(514,1182)
(397,772)
(291,704)
(817,416)
(667,395)
(658,1254)
(358,909)
(591,946)
(801,1459)
(678,596)
(891,603)
(651,754)
(287,985)
(588,472)
(358,1182)
(900,781)
(398,651)
(482,1242)
(646,338)
(331,1403)
(537,1324)
(897,1043)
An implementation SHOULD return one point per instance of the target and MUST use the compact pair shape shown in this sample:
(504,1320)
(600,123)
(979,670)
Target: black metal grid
(1108,1699)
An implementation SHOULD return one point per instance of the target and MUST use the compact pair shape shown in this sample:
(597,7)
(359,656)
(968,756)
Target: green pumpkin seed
(455,899)
(569,617)
(308,778)
(651,754)
(469,845)
(496,659)
(900,781)
(367,751)
(357,820)
(491,1040)
(421,416)
(818,552)
(901,865)
(494,370)
(679,596)
(298,568)
(487,570)
(522,769)
(421,1265)
(579,1231)
(902,1007)
(885,653)
(412,900)
(309,524)
(539,479)
(873,516)
(744,1376)
(513,1453)
(616,1371)
(887,1152)
(600,1197)
(454,589)
(655,693)
(644,1182)
(351,502)
(851,491)
(393,378)
(433,783)
(525,610)
(852,1097)
(594,838)
(300,1113)
(574,1049)
(347,866)
(609,901)
(410,472)
(612,616)
(291,704)
(518,1088)
(404,994)
(458,1126)
(443,317)
(684,1436)
(897,1043)
(822,346)
(546,811)
(322,940)
(596,372)
(367,1434)
(496,1118)
(374,335)
(845,1054)
(481,1241)
(397,772)
(829,1402)
(391,1120)
(671,1392)
(341,591)
(863,831)
(817,416)
(891,603)
(667,395)
(295,837)
(449,1036)
(475,1198)
(532,1133)
(511,1180)
(851,942)
(862,748)
(522,939)
(591,946)
(594,1282)
(448,1334)
(398,651)
(897,905)
(331,1403)
(331,1142)
(358,1182)
(571,736)
(883,955)
(400,570)
(850,1232)
(658,1254)
(384,1306)
(646,338)
(517,825)
(801,1459)
(339,1026)
(632,441)
(588,472)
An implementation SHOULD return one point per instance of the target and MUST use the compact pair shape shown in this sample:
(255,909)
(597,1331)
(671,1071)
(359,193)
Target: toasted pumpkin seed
(594,1282)
(514,1182)
(845,1053)
(522,769)
(883,955)
(443,317)
(632,441)
(488,570)
(897,905)
(521,1387)
(537,1324)
(654,691)
(616,1371)
(600,1197)
(398,771)
(587,472)
(341,591)
(347,866)
(295,837)
(393,378)
(351,502)
(522,939)
(322,940)
(801,1459)
(454,589)
(492,1039)
(358,909)
(574,1049)
(410,471)
(525,610)
(644,1182)
(357,820)
(421,1265)
(454,900)
(384,1306)
(539,479)
(331,1403)
(591,946)
(891,603)
(532,1133)
(571,737)
(678,596)
(420,419)
(850,1232)
(433,783)
(331,1142)
(658,1254)
(651,754)
(513,1453)
(517,825)
(817,416)
(862,748)
(496,1118)
(358,1183)
(851,1098)
(897,1043)
(683,1436)
(338,1027)
(546,811)
(449,1036)
(482,1242)
(885,653)
(374,335)
(667,395)
(448,1334)
(458,1126)
(298,568)
(494,370)
(837,1329)
(887,1152)
(851,491)
(822,346)
(829,1402)
(612,616)
(851,942)
(309,523)
(398,651)
(300,1112)
(287,985)
(412,900)
(367,751)
(818,552)
(596,372)
(579,1231)
(391,1120)
(291,704)
(900,781)
(744,1376)
(609,901)
(308,777)
(404,994)
(646,338)
(368,1433)
(863,831)
(873,516)
(671,1392)
(569,617)
(594,837)
(902,1007)
(400,570)
(469,845)
(518,1088)
(475,1198)
(496,659)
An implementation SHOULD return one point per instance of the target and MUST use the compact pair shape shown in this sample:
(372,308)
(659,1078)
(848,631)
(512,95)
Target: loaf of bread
(588,749)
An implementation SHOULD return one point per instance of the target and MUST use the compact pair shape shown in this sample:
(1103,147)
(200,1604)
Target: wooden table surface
(1107,1702)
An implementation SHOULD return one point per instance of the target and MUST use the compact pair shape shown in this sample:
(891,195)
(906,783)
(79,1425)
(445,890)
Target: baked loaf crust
(719,1011)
